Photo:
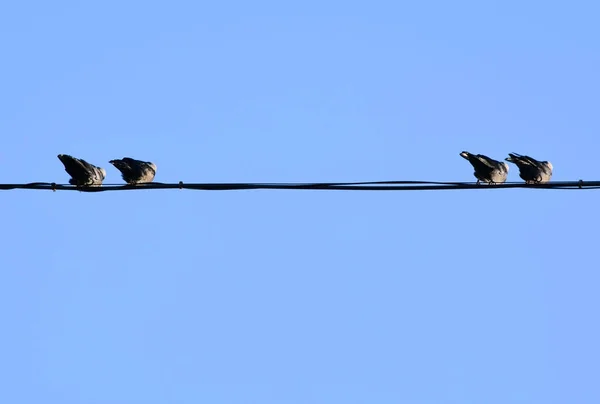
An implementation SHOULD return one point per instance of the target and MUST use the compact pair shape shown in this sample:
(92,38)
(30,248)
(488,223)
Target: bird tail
(465,155)
(513,157)
(65,157)
(118,163)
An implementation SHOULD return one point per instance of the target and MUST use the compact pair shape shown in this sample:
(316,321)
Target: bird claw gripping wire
(580,184)
(180,184)
(53,186)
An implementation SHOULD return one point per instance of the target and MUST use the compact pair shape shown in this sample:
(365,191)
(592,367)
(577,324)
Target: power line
(346,186)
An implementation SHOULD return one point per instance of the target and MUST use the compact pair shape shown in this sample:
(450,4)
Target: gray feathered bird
(530,169)
(82,173)
(135,171)
(487,169)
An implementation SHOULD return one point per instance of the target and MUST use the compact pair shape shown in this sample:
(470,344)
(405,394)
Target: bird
(82,173)
(530,169)
(487,169)
(135,171)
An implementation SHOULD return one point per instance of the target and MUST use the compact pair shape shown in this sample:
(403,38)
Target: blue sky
(299,296)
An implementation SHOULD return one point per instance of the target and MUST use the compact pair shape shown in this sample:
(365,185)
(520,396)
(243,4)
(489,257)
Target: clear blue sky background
(282,297)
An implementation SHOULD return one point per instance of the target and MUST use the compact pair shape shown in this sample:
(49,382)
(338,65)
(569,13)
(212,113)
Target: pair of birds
(495,172)
(85,174)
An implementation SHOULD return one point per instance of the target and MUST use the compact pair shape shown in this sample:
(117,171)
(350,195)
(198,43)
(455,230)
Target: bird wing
(78,169)
(491,163)
(524,160)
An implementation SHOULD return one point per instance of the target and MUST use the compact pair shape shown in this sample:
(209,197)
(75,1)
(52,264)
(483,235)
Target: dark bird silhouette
(487,169)
(82,173)
(530,169)
(135,171)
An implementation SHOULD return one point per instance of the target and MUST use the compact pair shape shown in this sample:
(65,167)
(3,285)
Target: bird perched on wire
(487,169)
(82,173)
(135,171)
(530,169)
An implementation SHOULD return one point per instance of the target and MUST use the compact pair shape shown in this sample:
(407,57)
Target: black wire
(346,186)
